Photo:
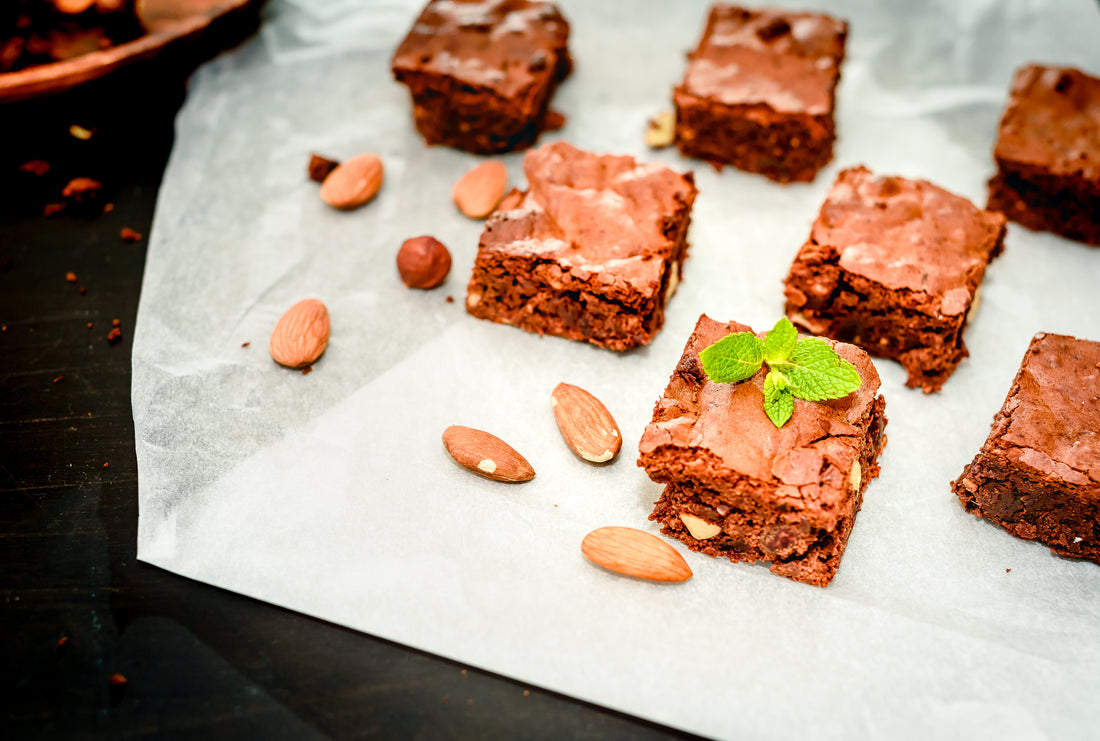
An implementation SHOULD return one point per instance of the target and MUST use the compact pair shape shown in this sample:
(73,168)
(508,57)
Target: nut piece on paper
(301,334)
(423,262)
(486,455)
(632,552)
(479,191)
(587,426)
(660,132)
(353,182)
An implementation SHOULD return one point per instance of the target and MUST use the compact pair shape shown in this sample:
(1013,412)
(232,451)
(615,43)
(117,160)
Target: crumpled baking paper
(331,494)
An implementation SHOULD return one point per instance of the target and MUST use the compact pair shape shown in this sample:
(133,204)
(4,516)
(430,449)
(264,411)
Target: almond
(625,550)
(301,334)
(587,426)
(699,528)
(353,182)
(479,191)
(486,455)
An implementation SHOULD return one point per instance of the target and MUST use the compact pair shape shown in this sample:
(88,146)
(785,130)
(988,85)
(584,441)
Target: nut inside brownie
(759,91)
(481,75)
(591,251)
(785,495)
(1038,473)
(894,265)
(1048,153)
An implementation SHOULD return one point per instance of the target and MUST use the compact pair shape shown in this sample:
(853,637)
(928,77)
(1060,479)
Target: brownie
(787,495)
(760,91)
(1038,473)
(591,251)
(894,265)
(481,74)
(1048,153)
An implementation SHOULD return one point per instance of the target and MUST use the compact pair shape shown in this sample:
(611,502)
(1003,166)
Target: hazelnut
(423,262)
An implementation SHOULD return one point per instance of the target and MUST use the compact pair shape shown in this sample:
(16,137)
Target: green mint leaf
(733,358)
(780,341)
(778,402)
(815,372)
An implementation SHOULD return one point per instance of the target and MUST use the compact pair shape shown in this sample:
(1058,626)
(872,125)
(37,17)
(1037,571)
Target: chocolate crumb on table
(1038,473)
(759,92)
(894,266)
(481,75)
(591,251)
(1048,153)
(738,486)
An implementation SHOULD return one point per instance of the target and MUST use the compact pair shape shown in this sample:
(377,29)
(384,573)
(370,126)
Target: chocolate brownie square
(481,74)
(894,265)
(591,251)
(738,486)
(760,91)
(1038,473)
(1048,153)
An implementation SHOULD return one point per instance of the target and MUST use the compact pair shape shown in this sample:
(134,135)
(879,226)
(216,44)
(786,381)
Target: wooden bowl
(168,23)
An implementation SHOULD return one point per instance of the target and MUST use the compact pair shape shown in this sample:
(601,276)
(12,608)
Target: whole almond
(353,182)
(301,334)
(486,455)
(631,552)
(479,191)
(587,426)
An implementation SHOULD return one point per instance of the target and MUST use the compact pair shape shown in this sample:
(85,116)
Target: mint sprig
(806,367)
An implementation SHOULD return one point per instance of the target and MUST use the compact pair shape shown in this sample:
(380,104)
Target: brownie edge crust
(738,487)
(1038,473)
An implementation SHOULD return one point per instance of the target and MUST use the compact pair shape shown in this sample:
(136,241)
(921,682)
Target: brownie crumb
(114,335)
(450,299)
(553,120)
(320,167)
(83,290)
(82,190)
(35,167)
(245,344)
(129,235)
(306,370)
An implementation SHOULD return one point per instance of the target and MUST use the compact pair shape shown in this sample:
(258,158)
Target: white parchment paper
(331,493)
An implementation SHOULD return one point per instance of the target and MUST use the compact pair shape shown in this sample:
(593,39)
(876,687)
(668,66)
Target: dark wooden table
(95,643)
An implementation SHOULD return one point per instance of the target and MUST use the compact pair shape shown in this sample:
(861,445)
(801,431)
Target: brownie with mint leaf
(765,445)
